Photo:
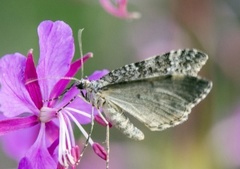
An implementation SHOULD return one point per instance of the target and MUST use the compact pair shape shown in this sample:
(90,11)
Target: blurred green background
(210,139)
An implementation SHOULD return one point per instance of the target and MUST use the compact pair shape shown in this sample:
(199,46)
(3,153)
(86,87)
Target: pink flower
(225,139)
(27,102)
(119,9)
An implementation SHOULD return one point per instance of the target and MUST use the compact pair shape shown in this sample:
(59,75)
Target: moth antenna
(45,78)
(80,49)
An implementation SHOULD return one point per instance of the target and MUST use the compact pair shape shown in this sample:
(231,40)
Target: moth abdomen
(121,122)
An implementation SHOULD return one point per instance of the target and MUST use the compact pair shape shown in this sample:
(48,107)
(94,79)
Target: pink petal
(56,53)
(38,156)
(18,123)
(53,147)
(52,131)
(98,74)
(16,143)
(14,98)
(31,81)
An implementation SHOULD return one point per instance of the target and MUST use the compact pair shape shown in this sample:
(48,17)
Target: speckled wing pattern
(186,61)
(160,91)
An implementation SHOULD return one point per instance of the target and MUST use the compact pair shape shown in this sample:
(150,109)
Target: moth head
(83,84)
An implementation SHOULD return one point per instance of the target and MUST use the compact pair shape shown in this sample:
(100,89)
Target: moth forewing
(186,61)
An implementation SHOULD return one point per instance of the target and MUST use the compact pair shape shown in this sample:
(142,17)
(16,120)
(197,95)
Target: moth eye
(80,86)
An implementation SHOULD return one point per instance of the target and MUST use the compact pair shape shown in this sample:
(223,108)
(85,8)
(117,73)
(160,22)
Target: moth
(159,91)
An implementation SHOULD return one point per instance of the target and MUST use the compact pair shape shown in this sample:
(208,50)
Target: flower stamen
(78,111)
(69,152)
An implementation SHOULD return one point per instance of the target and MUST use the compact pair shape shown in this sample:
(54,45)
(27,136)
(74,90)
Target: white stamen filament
(64,154)
(62,147)
(65,131)
(79,126)
(70,129)
(66,136)
(78,111)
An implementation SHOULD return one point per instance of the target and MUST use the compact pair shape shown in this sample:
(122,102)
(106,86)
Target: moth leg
(121,122)
(107,136)
(89,134)
(107,145)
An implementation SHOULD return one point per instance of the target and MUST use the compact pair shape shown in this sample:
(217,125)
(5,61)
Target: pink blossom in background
(225,139)
(163,35)
(119,9)
(123,155)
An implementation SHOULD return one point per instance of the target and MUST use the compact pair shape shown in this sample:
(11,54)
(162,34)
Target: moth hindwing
(160,91)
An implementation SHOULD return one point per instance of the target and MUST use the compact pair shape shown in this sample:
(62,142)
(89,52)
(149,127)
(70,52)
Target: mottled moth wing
(158,102)
(160,91)
(186,61)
